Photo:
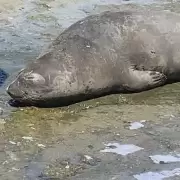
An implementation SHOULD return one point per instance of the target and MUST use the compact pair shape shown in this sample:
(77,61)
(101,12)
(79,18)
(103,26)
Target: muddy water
(66,143)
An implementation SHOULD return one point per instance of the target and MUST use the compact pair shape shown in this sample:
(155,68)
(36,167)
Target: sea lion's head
(45,82)
(29,86)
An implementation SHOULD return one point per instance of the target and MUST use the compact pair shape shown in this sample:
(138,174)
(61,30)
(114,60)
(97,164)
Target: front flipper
(140,80)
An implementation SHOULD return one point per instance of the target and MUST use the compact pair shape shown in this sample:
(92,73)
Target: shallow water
(67,143)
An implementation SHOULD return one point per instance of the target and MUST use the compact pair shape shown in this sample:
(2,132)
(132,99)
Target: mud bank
(68,143)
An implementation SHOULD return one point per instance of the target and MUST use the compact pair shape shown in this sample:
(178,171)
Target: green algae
(34,121)
(48,124)
(42,17)
(99,117)
(67,115)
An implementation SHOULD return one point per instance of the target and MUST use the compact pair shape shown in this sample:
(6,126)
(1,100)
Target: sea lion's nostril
(10,90)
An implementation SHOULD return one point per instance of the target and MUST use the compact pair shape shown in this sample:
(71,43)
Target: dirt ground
(9,7)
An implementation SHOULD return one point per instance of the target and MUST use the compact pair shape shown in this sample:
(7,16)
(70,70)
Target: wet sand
(10,6)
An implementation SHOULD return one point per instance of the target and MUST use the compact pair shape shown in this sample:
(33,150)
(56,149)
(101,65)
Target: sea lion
(111,52)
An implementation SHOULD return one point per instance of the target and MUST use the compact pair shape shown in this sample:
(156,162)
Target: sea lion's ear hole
(35,78)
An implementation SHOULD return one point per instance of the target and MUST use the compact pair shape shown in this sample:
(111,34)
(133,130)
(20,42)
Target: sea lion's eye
(35,78)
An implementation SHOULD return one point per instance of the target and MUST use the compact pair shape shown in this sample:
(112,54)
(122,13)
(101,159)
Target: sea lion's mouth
(15,96)
(19,102)
(15,103)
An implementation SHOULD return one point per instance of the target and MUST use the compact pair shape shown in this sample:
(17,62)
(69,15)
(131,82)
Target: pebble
(92,161)
(1,111)
(41,145)
(27,138)
(11,142)
(2,121)
(15,169)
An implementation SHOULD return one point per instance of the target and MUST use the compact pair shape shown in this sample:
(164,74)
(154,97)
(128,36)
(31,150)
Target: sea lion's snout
(15,91)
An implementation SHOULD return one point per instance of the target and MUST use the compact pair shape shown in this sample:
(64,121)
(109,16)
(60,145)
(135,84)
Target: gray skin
(113,52)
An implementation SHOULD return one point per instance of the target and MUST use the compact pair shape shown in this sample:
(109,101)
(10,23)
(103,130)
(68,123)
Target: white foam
(165,158)
(121,149)
(136,125)
(158,175)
